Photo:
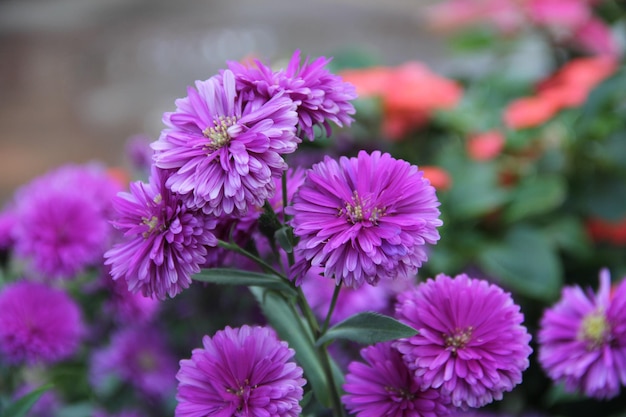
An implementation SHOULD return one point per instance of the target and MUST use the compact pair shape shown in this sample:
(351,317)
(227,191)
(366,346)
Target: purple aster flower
(365,219)
(226,150)
(38,324)
(140,153)
(384,386)
(471,342)
(164,241)
(322,97)
(582,339)
(138,356)
(243,371)
(62,225)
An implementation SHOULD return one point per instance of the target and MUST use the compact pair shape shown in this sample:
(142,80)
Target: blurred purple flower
(226,150)
(138,356)
(243,371)
(164,241)
(140,153)
(471,342)
(38,324)
(62,220)
(127,307)
(322,97)
(384,386)
(582,339)
(364,219)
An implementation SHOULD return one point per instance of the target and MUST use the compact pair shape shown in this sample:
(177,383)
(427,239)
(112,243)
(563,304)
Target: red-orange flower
(409,93)
(601,230)
(486,145)
(438,177)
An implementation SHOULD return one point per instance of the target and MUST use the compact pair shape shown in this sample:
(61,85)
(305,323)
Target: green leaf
(526,262)
(367,328)
(535,195)
(22,405)
(289,326)
(284,237)
(569,234)
(239,277)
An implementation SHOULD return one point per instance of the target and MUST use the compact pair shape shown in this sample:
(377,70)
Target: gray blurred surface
(78,77)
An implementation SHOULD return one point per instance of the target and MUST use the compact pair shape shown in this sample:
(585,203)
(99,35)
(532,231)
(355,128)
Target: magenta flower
(140,357)
(226,150)
(471,342)
(322,97)
(38,324)
(126,307)
(365,219)
(164,241)
(243,371)
(61,225)
(384,386)
(582,339)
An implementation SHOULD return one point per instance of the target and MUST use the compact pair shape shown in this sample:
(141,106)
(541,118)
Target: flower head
(471,343)
(61,224)
(138,356)
(365,219)
(224,149)
(243,371)
(322,97)
(384,386)
(38,323)
(582,339)
(164,241)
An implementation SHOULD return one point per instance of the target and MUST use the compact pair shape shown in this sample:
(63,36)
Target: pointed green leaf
(22,405)
(290,328)
(367,328)
(284,237)
(228,276)
(525,262)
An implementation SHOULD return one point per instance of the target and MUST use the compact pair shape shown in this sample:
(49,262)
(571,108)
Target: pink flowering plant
(330,238)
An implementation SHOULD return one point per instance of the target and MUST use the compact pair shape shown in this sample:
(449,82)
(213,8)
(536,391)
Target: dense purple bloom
(582,339)
(243,371)
(164,241)
(384,386)
(62,224)
(471,342)
(224,149)
(365,219)
(38,324)
(138,356)
(322,97)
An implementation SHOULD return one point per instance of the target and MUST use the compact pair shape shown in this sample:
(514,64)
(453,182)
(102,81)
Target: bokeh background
(79,77)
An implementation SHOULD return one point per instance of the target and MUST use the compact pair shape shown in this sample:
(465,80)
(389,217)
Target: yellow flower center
(458,339)
(357,210)
(218,133)
(594,329)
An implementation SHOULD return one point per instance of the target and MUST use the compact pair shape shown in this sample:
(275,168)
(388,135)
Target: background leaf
(239,277)
(21,406)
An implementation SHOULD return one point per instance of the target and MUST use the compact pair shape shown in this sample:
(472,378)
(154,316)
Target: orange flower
(409,93)
(438,177)
(485,146)
(529,112)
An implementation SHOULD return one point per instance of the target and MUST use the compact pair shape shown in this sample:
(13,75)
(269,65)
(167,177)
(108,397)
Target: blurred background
(79,77)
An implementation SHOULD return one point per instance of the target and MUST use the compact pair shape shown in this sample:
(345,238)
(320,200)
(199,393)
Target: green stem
(261,262)
(308,313)
(286,217)
(338,410)
(333,302)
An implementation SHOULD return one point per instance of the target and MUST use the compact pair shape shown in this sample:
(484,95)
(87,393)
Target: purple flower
(164,241)
(471,342)
(384,386)
(582,339)
(224,149)
(62,225)
(365,219)
(127,307)
(38,324)
(243,371)
(138,356)
(140,153)
(321,96)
